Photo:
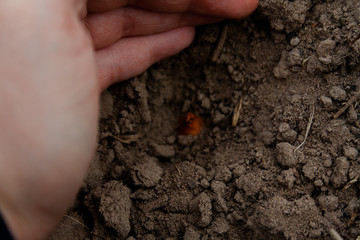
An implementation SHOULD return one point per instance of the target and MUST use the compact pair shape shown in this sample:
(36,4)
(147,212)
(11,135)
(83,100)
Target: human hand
(52,72)
(148,31)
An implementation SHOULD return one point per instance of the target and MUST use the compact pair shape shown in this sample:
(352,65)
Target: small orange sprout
(190,124)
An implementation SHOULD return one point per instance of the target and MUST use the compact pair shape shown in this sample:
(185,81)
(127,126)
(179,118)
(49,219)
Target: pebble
(325,101)
(205,101)
(204,183)
(294,41)
(337,93)
(218,117)
(318,183)
(352,115)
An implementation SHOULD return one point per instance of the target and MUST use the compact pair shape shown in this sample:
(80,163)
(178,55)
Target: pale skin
(55,59)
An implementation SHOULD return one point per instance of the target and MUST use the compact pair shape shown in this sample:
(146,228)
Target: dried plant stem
(236,115)
(220,44)
(334,234)
(347,105)
(75,220)
(307,127)
(127,139)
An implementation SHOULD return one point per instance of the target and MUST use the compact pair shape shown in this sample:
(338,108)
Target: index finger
(223,8)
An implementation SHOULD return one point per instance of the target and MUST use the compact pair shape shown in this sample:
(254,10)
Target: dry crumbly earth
(286,62)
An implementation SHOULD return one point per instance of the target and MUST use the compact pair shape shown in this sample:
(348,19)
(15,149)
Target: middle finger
(109,27)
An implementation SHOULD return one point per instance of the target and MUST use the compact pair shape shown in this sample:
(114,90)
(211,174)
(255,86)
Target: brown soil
(287,61)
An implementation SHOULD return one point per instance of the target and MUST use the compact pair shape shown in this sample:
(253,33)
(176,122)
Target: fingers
(131,56)
(223,8)
(105,5)
(107,28)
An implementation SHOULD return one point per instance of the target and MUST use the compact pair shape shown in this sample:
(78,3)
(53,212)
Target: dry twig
(83,225)
(334,234)
(307,127)
(128,138)
(352,181)
(352,218)
(347,105)
(220,44)
(236,115)
(75,220)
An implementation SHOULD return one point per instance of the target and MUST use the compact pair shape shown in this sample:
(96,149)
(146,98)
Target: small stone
(230,69)
(325,101)
(294,41)
(205,101)
(318,183)
(337,93)
(204,183)
(352,115)
(350,152)
(218,117)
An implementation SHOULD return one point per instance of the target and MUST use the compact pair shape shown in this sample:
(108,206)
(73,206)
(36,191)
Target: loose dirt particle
(147,174)
(337,93)
(285,154)
(339,177)
(113,200)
